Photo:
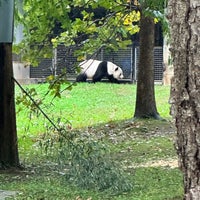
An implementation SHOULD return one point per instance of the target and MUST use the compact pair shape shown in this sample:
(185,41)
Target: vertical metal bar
(131,48)
(54,62)
(135,75)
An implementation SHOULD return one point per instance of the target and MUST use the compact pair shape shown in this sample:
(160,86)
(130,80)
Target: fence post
(54,62)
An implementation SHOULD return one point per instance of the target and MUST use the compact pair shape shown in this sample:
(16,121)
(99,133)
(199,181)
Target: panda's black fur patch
(81,77)
(101,72)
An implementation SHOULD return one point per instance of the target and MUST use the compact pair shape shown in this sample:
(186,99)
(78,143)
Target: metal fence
(62,59)
(122,58)
(127,59)
(158,63)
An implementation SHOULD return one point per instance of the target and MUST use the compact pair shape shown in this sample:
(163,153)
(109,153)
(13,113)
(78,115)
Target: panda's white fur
(96,70)
(89,67)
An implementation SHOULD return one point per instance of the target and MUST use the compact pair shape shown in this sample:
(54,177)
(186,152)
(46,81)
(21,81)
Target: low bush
(86,163)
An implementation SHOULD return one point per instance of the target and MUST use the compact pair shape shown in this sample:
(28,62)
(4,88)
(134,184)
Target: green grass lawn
(92,104)
(102,110)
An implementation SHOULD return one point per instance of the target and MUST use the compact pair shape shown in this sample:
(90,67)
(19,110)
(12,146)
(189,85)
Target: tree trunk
(184,21)
(145,98)
(8,134)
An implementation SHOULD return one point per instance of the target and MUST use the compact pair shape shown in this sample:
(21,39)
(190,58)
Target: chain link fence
(64,60)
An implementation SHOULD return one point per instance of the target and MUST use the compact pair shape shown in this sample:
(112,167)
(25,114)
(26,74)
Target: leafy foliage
(90,166)
(89,25)
(86,163)
(24,100)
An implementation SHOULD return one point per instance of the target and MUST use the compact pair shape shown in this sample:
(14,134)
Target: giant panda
(96,70)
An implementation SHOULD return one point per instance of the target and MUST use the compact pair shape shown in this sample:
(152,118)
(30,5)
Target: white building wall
(169,70)
(21,71)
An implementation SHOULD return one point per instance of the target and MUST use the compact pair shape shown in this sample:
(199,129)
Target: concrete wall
(21,72)
(168,67)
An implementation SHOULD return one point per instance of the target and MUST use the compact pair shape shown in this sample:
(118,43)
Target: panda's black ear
(116,69)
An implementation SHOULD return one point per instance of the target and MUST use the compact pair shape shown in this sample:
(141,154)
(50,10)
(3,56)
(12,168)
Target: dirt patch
(120,131)
(171,163)
(129,130)
(5,194)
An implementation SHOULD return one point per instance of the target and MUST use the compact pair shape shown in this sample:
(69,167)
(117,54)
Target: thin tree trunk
(8,134)
(184,21)
(145,98)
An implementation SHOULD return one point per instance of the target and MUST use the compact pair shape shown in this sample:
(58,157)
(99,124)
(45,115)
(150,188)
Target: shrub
(89,165)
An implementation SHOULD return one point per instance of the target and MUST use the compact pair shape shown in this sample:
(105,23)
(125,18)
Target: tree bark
(145,97)
(184,21)
(8,134)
